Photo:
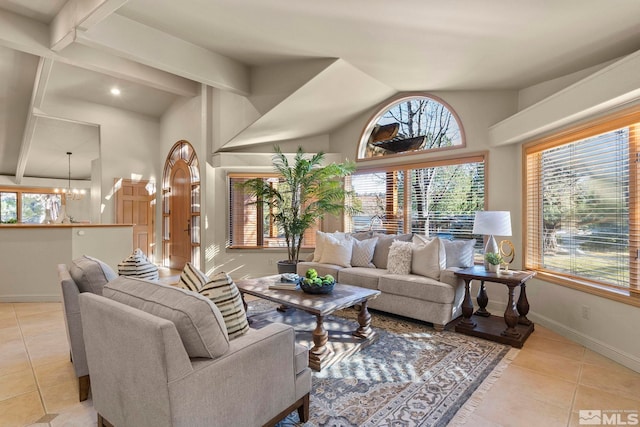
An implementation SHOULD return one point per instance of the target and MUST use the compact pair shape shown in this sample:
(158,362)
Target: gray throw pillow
(381,254)
(91,274)
(459,253)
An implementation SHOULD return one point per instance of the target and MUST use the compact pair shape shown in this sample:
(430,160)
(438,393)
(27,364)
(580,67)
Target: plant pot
(493,268)
(285,266)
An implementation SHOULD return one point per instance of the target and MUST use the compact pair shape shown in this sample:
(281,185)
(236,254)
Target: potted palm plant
(306,191)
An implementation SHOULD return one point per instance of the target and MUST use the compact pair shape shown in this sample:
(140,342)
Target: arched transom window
(410,124)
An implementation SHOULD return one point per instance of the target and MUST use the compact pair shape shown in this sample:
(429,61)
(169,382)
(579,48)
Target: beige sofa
(437,301)
(160,356)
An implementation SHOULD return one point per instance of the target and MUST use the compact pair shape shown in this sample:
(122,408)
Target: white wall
(129,144)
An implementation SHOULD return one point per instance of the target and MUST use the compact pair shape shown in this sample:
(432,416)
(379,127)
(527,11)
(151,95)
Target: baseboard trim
(622,357)
(30,298)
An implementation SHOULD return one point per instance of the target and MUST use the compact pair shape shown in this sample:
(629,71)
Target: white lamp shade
(492,223)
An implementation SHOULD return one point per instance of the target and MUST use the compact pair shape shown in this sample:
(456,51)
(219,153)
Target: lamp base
(491,246)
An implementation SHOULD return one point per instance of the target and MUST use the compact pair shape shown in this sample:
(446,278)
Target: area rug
(411,376)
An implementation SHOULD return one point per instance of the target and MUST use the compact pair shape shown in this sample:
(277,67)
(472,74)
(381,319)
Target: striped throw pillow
(138,265)
(192,279)
(221,290)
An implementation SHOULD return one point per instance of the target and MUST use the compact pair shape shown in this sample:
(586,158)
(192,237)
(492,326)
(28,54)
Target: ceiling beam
(129,39)
(79,14)
(37,96)
(27,35)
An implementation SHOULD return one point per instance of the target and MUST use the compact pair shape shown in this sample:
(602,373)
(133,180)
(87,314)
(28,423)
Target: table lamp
(492,223)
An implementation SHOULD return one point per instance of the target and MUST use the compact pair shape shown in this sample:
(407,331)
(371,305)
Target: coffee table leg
(320,352)
(364,319)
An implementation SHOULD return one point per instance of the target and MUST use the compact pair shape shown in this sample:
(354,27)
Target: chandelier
(71,193)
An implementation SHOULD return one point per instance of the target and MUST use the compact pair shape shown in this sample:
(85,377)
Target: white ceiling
(154,51)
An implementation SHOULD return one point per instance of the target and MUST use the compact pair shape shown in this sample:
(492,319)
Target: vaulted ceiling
(350,55)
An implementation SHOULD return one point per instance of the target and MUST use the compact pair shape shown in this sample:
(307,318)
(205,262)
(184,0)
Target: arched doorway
(181,207)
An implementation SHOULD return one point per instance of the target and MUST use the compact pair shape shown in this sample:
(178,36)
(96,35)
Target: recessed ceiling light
(115,91)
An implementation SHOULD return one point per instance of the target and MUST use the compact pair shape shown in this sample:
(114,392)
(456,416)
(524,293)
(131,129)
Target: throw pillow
(192,279)
(459,253)
(337,252)
(91,274)
(428,259)
(138,265)
(362,252)
(400,257)
(381,254)
(225,295)
(321,238)
(420,239)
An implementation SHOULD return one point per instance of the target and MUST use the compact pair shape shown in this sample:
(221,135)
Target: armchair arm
(252,383)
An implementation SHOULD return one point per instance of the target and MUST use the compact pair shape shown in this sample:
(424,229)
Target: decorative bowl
(310,289)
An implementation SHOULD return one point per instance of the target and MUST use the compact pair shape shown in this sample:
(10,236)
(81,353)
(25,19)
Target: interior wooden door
(180,208)
(133,206)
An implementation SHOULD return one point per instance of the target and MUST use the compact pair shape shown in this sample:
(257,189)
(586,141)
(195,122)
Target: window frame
(19,191)
(629,118)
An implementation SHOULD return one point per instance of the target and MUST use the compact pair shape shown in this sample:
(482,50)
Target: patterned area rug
(411,376)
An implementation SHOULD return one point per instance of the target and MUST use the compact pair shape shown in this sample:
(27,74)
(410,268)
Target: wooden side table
(482,323)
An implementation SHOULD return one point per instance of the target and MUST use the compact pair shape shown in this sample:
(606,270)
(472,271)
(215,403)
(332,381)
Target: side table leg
(511,317)
(523,306)
(482,300)
(467,307)
(320,351)
(364,319)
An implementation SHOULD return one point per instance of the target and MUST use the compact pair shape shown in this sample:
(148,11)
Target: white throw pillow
(321,238)
(399,261)
(459,253)
(420,239)
(337,252)
(362,252)
(429,258)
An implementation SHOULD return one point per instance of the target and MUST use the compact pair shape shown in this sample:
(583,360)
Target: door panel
(180,208)
(133,206)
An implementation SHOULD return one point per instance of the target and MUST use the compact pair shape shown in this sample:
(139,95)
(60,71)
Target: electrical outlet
(586,312)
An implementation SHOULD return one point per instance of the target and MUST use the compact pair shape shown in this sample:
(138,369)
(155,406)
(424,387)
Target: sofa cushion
(428,259)
(362,252)
(138,265)
(198,321)
(459,253)
(337,252)
(381,254)
(418,287)
(225,295)
(399,261)
(191,278)
(91,274)
(361,276)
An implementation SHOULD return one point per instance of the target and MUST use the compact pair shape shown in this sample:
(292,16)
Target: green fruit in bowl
(317,281)
(329,278)
(311,273)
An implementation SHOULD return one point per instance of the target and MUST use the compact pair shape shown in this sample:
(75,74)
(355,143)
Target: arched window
(411,124)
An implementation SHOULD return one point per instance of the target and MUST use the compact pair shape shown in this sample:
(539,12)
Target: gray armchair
(89,275)
(160,356)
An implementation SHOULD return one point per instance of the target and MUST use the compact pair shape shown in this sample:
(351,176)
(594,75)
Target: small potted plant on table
(494,260)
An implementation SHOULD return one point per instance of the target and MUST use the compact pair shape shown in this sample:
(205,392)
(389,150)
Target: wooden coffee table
(320,305)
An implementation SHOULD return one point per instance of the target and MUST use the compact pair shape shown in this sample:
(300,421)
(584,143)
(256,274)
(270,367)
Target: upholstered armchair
(85,274)
(160,356)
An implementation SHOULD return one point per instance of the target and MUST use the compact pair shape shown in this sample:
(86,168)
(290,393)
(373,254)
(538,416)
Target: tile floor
(549,380)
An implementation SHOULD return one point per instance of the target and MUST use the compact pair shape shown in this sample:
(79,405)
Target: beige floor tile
(17,383)
(21,410)
(475,420)
(593,398)
(533,385)
(35,324)
(613,379)
(543,332)
(8,320)
(549,364)
(61,397)
(593,358)
(52,374)
(10,333)
(568,349)
(29,308)
(45,346)
(12,363)
(502,406)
